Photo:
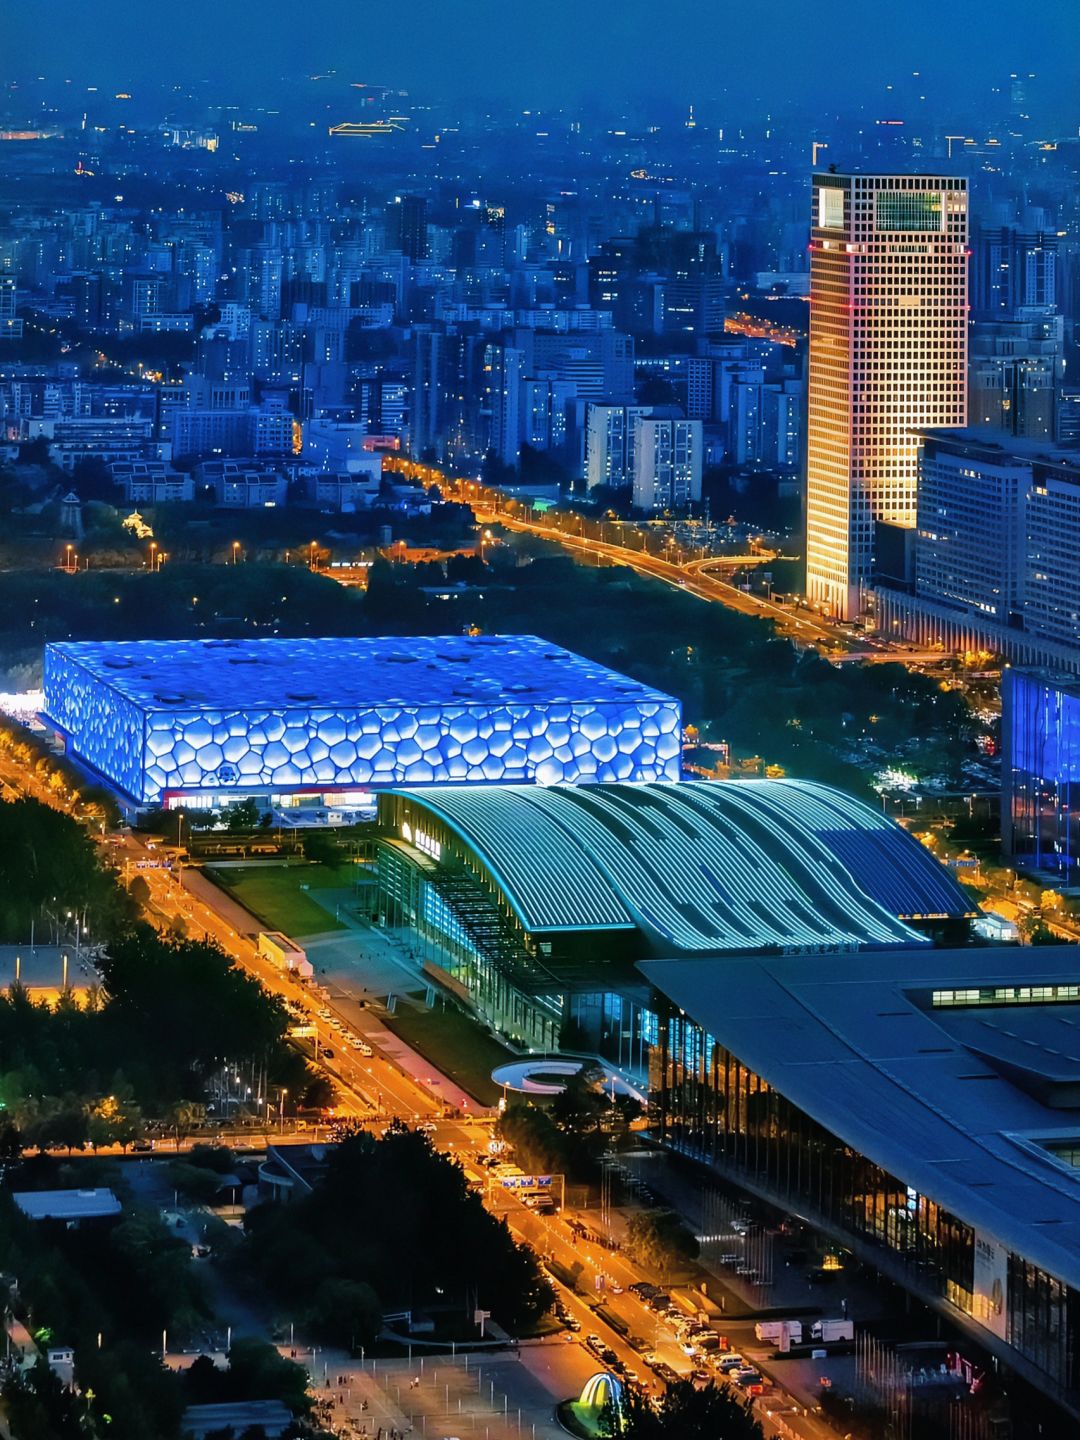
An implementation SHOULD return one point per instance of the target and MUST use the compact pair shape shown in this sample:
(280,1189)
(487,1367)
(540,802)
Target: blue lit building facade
(1041,772)
(203,723)
(533,905)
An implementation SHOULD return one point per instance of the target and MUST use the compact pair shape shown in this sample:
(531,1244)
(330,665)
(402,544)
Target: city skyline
(540,720)
(473,49)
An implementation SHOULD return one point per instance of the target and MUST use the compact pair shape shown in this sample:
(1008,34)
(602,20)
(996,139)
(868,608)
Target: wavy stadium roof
(700,866)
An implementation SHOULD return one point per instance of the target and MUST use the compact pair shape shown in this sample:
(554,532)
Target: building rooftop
(910,172)
(67,1204)
(957,1071)
(701,865)
(343,673)
(236,1417)
(986,443)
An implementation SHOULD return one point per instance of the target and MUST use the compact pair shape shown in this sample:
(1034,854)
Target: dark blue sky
(548,52)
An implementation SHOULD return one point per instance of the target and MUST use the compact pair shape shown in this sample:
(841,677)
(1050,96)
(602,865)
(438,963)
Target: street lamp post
(235,551)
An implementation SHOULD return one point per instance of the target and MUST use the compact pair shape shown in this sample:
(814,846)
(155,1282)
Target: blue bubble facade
(162,719)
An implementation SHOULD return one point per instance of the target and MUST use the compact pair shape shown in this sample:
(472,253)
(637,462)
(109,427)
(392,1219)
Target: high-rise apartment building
(500,402)
(996,562)
(667,462)
(408,231)
(888,357)
(11,327)
(1012,267)
(610,436)
(544,413)
(1016,369)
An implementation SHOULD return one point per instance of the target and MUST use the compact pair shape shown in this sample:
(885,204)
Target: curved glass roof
(700,865)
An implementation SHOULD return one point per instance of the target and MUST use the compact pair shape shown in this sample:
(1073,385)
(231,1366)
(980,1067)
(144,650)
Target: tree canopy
(660,1239)
(393,1224)
(685,1412)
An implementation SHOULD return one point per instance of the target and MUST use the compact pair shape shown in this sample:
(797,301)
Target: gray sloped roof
(852,1041)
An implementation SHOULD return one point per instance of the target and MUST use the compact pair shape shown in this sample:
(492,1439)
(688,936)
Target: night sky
(552,52)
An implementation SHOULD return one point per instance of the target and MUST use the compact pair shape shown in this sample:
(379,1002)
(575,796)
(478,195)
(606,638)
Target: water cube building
(204,722)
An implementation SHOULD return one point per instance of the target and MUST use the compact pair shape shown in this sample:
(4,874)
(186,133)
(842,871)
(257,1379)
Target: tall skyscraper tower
(410,227)
(888,357)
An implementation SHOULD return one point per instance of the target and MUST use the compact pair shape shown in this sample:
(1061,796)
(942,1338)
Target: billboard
(991,1285)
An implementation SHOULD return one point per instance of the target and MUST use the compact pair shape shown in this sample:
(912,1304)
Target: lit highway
(693,578)
(370,1087)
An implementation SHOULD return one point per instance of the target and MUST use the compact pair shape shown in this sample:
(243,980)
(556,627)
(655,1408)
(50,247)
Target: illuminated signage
(991,1284)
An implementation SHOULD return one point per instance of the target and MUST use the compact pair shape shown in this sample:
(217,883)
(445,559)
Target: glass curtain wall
(711,1107)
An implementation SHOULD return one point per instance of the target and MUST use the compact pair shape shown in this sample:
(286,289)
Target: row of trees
(737,681)
(393,1225)
(167,1017)
(51,877)
(685,1412)
(55,773)
(170,1016)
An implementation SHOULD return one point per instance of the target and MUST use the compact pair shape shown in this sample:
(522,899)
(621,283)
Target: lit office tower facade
(888,356)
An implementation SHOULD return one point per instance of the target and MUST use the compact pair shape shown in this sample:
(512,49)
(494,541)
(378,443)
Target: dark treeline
(393,1225)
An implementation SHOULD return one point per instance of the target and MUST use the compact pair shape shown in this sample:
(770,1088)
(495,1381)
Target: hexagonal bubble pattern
(627,733)
(396,747)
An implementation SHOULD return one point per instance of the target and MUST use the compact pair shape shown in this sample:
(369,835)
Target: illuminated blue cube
(166,720)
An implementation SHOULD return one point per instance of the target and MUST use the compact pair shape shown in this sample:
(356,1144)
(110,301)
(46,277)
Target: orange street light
(235,551)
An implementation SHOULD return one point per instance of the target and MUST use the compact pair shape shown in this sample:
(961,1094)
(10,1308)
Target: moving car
(727,1363)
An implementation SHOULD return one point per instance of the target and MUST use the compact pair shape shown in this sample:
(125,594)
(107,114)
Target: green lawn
(272,893)
(456,1045)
